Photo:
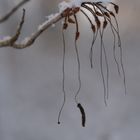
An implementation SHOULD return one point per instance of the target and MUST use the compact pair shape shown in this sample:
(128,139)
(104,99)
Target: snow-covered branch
(28,41)
(67,11)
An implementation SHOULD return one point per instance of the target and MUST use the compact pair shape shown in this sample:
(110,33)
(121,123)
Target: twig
(28,41)
(5,17)
(9,41)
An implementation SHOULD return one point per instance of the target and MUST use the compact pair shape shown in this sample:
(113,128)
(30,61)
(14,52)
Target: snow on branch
(66,10)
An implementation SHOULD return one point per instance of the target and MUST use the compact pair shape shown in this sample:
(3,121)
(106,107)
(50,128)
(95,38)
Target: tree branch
(9,41)
(65,11)
(28,41)
(5,17)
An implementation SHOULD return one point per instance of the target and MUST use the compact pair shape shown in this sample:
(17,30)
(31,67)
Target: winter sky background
(31,80)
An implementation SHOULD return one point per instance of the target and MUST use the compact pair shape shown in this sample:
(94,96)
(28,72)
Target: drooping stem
(78,59)
(95,33)
(101,67)
(63,80)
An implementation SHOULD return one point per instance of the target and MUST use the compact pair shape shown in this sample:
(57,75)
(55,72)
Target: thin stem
(79,77)
(92,48)
(28,41)
(63,80)
(107,67)
(124,79)
(114,49)
(78,60)
(121,59)
(9,14)
(101,66)
(112,27)
(11,40)
(95,33)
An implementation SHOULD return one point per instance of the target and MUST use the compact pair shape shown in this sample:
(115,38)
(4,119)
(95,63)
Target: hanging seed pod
(107,14)
(66,12)
(99,14)
(99,2)
(77,35)
(82,113)
(97,22)
(65,25)
(116,7)
(104,24)
(112,14)
(76,9)
(70,20)
(93,28)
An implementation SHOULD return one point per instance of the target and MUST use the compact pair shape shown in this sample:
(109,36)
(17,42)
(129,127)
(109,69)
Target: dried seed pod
(76,9)
(107,14)
(99,14)
(99,2)
(65,25)
(116,7)
(70,20)
(112,14)
(97,22)
(77,35)
(104,24)
(93,28)
(82,113)
(66,12)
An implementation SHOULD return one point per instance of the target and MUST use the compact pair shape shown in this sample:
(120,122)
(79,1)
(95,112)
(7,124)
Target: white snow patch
(64,5)
(76,3)
(49,18)
(25,40)
(5,38)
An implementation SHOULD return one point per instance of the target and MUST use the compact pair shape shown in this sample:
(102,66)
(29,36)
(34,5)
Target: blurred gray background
(31,80)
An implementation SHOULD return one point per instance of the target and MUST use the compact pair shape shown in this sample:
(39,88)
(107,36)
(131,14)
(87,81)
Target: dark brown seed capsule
(104,24)
(112,14)
(97,22)
(77,35)
(76,9)
(116,7)
(65,25)
(82,113)
(107,14)
(93,28)
(70,20)
(98,13)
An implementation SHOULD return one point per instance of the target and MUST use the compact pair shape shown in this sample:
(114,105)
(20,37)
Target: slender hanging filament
(98,26)
(77,57)
(63,80)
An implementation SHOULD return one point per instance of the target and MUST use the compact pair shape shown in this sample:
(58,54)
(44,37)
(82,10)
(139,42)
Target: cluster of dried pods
(97,9)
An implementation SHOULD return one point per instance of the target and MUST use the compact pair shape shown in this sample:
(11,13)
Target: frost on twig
(65,8)
(28,41)
(5,17)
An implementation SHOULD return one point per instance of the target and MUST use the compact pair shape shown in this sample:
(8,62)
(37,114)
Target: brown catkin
(82,113)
